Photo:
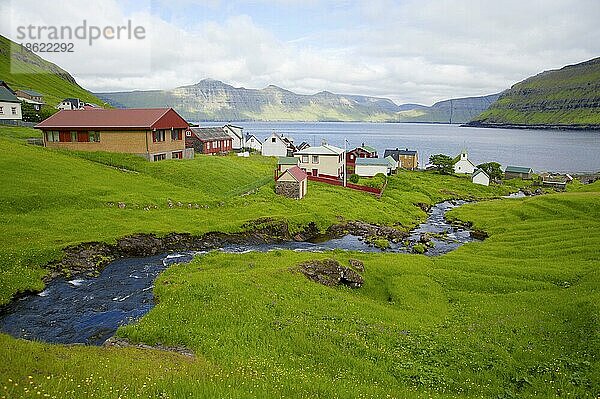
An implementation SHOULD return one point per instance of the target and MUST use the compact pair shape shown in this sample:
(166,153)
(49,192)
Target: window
(176,134)
(304,158)
(188,134)
(73,136)
(208,145)
(158,136)
(160,157)
(177,155)
(1,110)
(94,137)
(315,159)
(273,139)
(13,110)
(52,136)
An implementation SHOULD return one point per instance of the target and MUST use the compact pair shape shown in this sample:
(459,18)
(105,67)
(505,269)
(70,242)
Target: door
(315,172)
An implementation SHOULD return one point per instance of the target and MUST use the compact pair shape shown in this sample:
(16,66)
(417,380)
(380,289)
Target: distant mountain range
(564,98)
(213,100)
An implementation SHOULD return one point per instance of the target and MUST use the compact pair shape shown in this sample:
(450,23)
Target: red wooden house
(363,151)
(208,140)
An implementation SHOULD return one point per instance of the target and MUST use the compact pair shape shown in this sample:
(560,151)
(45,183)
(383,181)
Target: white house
(274,146)
(71,104)
(369,167)
(253,143)
(480,177)
(325,161)
(463,165)
(393,163)
(237,135)
(10,105)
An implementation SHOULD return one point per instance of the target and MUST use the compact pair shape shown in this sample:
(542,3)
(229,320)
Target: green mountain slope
(25,70)
(567,97)
(213,100)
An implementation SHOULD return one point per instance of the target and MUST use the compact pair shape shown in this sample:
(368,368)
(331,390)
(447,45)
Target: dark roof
(518,169)
(296,173)
(303,145)
(397,152)
(112,119)
(210,133)
(32,93)
(478,171)
(7,94)
(74,101)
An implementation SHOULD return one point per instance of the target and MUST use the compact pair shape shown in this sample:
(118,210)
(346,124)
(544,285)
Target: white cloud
(410,51)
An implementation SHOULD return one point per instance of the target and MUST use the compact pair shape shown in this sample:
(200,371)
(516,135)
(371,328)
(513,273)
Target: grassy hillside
(26,70)
(513,316)
(569,96)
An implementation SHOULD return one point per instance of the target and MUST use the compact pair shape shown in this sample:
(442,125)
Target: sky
(409,51)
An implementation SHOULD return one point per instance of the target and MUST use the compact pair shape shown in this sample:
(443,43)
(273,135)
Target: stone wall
(288,188)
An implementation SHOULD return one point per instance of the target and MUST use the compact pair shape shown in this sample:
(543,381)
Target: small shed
(208,140)
(518,172)
(292,183)
(480,177)
(369,167)
(284,163)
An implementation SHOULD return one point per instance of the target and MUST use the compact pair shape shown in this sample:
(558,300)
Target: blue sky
(410,51)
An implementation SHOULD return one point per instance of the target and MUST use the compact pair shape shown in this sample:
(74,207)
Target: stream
(89,310)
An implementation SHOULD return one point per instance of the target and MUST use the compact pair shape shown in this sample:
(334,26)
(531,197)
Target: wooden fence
(334,182)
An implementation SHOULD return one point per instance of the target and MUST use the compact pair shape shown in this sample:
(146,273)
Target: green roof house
(518,172)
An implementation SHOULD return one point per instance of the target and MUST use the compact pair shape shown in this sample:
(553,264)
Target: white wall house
(463,165)
(393,163)
(10,105)
(325,161)
(71,104)
(253,143)
(274,146)
(480,177)
(369,167)
(237,135)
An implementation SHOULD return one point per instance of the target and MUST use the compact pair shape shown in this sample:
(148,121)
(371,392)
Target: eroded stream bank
(97,286)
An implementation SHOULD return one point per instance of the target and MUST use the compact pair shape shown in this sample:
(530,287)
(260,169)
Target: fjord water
(89,310)
(542,150)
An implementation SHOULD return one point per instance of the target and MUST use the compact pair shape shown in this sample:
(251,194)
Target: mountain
(22,69)
(564,98)
(214,100)
(457,110)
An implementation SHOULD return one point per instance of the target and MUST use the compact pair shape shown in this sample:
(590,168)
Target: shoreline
(531,127)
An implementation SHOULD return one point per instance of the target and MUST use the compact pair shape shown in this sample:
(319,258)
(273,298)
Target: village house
(369,167)
(480,177)
(393,163)
(284,163)
(253,143)
(71,104)
(208,140)
(407,159)
(237,136)
(462,164)
(322,161)
(31,97)
(277,146)
(518,172)
(292,183)
(154,134)
(363,151)
(10,105)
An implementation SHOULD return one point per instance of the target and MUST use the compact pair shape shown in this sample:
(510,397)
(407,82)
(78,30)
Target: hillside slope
(568,97)
(213,100)
(25,70)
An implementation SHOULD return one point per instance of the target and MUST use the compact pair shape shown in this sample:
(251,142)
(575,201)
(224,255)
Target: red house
(363,151)
(208,140)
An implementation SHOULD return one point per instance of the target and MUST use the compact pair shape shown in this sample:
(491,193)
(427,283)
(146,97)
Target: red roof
(296,173)
(113,119)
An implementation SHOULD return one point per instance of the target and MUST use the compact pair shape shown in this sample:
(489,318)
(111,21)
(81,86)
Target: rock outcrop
(331,273)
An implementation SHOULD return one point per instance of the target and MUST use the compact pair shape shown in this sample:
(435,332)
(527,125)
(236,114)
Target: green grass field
(514,316)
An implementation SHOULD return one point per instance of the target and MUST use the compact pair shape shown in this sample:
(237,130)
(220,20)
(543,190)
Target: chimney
(323,142)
